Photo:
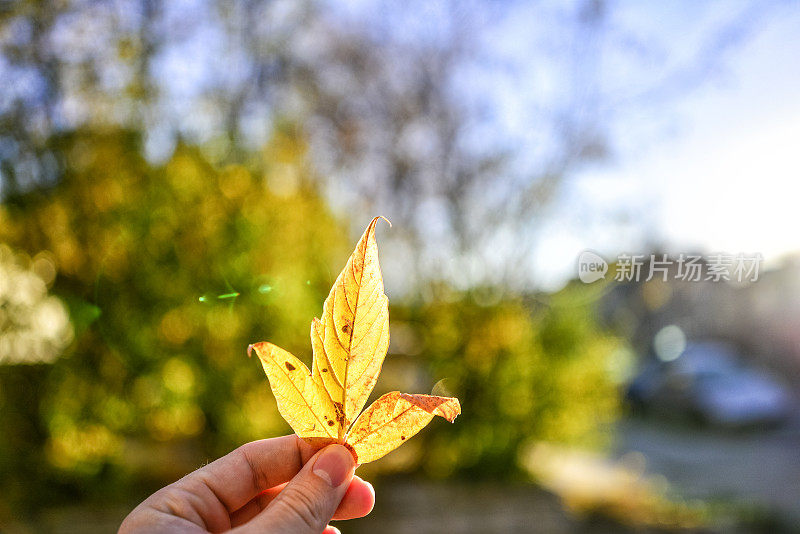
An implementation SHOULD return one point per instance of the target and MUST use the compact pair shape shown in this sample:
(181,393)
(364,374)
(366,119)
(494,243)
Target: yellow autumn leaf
(394,418)
(301,401)
(349,344)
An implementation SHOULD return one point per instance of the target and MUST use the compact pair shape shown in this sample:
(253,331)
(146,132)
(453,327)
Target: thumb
(310,499)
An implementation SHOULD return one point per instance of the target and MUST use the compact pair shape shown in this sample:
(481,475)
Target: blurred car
(708,382)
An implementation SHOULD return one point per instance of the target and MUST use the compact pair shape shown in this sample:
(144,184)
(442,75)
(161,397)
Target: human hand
(275,486)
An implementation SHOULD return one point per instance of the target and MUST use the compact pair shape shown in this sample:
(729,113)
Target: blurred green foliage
(524,372)
(170,270)
(182,265)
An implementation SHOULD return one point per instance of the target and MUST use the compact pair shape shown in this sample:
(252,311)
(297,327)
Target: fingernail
(333,465)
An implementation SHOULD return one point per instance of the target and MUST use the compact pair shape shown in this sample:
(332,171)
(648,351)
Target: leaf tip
(384,218)
(254,346)
(456,411)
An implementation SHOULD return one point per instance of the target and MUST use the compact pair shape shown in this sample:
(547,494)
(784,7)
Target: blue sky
(710,168)
(720,174)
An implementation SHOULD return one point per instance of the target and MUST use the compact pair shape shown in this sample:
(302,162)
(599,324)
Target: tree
(402,104)
(169,272)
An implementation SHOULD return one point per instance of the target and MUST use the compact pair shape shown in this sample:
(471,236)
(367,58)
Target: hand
(274,485)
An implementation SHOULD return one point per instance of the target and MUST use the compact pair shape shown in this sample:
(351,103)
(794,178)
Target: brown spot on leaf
(324,370)
(346,328)
(289,366)
(330,423)
(402,437)
(339,413)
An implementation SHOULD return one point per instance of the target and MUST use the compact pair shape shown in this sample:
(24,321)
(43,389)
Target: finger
(242,474)
(358,501)
(308,502)
(255,506)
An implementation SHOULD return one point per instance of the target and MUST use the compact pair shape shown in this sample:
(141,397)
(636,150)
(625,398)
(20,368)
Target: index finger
(252,468)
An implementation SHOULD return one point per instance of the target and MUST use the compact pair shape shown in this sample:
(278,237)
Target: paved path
(761,469)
